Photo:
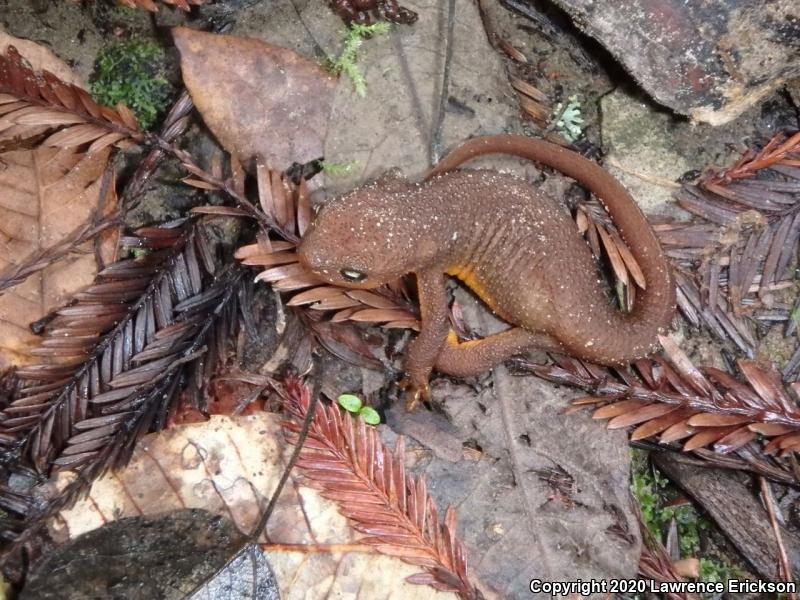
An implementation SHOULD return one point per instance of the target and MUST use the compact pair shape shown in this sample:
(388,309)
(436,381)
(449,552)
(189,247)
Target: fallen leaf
(226,466)
(181,554)
(259,100)
(45,194)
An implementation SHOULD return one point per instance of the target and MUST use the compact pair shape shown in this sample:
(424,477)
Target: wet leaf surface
(225,466)
(259,100)
(187,553)
(45,194)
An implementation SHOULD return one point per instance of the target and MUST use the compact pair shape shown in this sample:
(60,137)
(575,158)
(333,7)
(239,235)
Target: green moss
(132,72)
(654,492)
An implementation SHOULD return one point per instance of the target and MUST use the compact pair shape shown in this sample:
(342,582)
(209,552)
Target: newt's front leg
(434,325)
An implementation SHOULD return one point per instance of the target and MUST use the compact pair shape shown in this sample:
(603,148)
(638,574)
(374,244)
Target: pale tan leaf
(76,135)
(706,436)
(512,52)
(734,440)
(640,415)
(44,116)
(335,303)
(377,315)
(314,295)
(40,58)
(282,272)
(106,140)
(581,220)
(771,429)
(523,87)
(203,185)
(256,249)
(371,299)
(237,175)
(617,408)
(613,255)
(225,466)
(304,212)
(717,420)
(45,195)
(296,282)
(127,116)
(284,206)
(687,567)
(659,424)
(402,324)
(630,262)
(685,366)
(589,400)
(266,260)
(264,185)
(678,431)
(343,315)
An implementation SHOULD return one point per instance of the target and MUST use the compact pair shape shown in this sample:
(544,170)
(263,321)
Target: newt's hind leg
(464,359)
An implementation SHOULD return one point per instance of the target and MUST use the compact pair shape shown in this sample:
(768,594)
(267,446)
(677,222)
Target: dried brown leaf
(282,113)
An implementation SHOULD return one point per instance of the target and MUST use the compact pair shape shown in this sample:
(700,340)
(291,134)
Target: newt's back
(519,250)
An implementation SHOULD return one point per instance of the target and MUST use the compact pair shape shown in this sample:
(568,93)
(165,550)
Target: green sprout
(132,72)
(346,62)
(353,404)
(568,120)
(338,169)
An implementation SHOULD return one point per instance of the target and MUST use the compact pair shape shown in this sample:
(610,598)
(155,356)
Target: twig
(785,569)
(436,138)
(47,257)
(309,418)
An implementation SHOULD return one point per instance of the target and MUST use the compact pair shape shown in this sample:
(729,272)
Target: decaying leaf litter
(456,126)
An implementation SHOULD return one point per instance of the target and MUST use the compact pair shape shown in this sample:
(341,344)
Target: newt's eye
(353,275)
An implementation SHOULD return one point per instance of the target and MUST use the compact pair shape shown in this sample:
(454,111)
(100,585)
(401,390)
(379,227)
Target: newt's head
(367,237)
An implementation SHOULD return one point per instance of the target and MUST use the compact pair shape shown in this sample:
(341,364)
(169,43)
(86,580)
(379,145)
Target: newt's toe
(414,391)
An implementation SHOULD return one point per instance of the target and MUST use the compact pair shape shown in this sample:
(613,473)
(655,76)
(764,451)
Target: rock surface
(709,59)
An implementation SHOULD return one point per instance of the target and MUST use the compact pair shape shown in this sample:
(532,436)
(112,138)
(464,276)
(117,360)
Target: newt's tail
(632,335)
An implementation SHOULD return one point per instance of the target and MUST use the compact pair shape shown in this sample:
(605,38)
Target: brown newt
(515,247)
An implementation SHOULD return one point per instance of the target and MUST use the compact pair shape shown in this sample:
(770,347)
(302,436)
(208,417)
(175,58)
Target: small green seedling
(338,169)
(353,404)
(346,62)
(568,120)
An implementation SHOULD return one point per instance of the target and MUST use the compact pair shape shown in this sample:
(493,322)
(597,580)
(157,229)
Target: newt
(516,248)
